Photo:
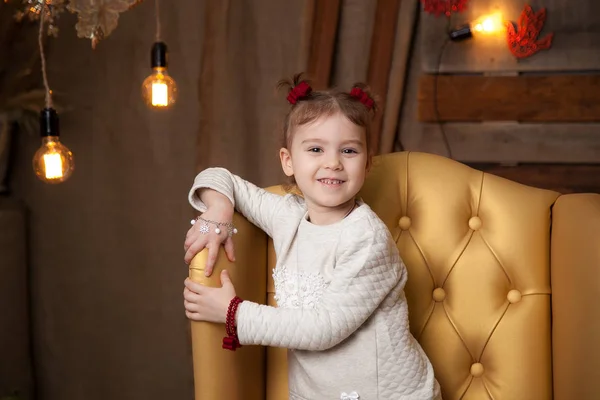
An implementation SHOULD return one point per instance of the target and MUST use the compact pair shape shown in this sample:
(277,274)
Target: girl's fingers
(229,249)
(194,248)
(189,306)
(193,287)
(193,316)
(213,252)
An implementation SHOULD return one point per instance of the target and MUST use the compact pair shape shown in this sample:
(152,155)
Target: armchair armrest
(575,275)
(219,373)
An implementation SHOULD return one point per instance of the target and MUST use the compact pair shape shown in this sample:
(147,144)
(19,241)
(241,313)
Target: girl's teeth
(331,182)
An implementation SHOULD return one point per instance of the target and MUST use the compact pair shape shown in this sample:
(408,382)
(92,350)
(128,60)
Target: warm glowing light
(53,166)
(488,24)
(159,89)
(160,94)
(53,162)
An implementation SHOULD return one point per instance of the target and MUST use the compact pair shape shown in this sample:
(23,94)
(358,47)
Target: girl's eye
(349,151)
(315,150)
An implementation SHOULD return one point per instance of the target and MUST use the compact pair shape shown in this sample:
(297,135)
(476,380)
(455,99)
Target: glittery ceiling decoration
(96,19)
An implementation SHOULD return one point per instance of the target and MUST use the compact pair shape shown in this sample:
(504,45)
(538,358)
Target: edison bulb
(484,26)
(488,24)
(53,162)
(159,89)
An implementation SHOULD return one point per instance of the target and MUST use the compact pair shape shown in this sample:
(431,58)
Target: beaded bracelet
(204,228)
(231,341)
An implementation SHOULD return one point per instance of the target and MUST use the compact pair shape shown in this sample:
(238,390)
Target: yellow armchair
(502,286)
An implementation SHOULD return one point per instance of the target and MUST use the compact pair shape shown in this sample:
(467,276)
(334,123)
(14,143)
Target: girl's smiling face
(329,160)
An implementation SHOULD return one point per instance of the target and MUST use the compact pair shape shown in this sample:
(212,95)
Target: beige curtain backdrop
(250,45)
(106,247)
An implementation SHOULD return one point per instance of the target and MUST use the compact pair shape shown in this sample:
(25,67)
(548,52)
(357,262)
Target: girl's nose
(333,162)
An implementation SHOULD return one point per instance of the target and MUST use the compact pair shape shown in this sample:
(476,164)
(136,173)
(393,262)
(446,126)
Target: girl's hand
(203,303)
(219,209)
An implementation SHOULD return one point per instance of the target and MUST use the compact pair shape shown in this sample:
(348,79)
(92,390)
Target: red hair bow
(299,91)
(362,97)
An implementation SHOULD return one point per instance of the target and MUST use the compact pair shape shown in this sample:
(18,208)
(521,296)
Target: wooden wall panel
(511,143)
(553,98)
(560,156)
(575,24)
(571,178)
(495,142)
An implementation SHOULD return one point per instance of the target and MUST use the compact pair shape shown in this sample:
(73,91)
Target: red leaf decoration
(445,7)
(524,42)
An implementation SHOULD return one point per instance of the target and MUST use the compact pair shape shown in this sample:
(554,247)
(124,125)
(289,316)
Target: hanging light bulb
(53,161)
(159,89)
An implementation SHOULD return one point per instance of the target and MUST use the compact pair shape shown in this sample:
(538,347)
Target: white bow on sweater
(349,396)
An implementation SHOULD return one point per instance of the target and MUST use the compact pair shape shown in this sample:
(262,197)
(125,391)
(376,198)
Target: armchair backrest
(477,250)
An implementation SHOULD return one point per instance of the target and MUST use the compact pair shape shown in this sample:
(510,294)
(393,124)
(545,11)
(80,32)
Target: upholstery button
(439,294)
(404,223)
(514,296)
(475,223)
(477,370)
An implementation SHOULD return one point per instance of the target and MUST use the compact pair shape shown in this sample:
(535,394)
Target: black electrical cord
(435,101)
(435,92)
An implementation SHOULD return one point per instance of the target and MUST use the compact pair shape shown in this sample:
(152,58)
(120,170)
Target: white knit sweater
(342,309)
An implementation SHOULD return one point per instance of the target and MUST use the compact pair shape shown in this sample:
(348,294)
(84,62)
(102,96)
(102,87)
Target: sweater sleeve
(363,276)
(257,205)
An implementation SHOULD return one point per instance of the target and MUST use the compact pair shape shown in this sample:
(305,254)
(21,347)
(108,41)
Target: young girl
(339,280)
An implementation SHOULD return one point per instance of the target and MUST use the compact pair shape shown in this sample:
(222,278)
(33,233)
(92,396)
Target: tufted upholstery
(477,248)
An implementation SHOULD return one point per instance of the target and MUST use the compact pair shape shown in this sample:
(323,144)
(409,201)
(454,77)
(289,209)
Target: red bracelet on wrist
(231,341)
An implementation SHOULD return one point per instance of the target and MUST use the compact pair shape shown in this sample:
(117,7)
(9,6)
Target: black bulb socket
(49,123)
(461,33)
(158,55)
